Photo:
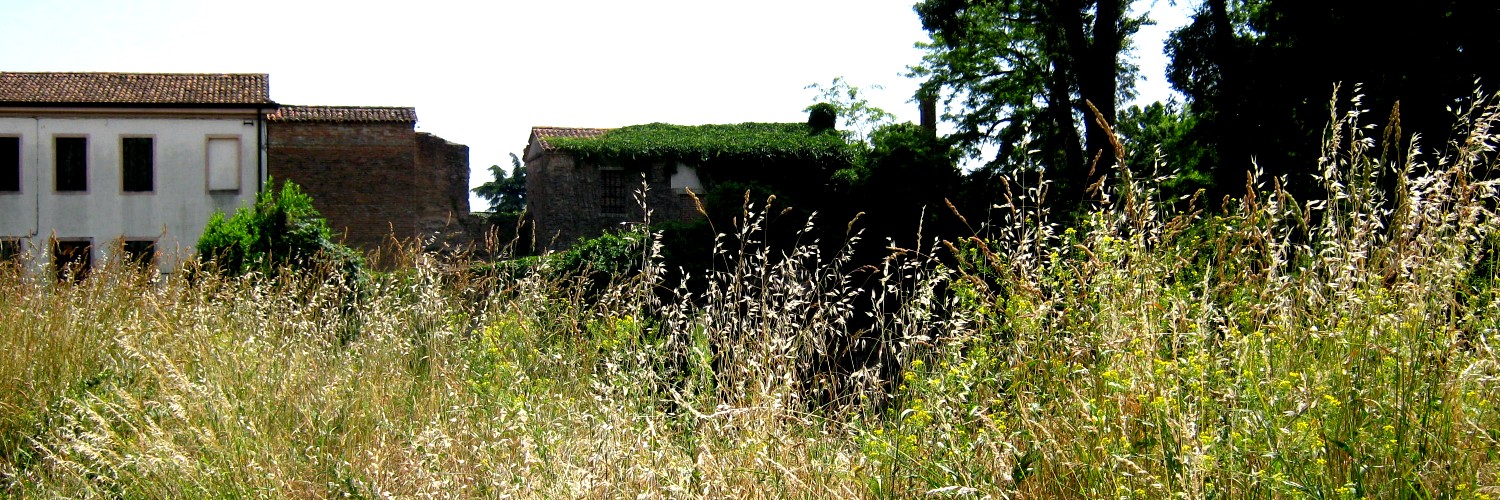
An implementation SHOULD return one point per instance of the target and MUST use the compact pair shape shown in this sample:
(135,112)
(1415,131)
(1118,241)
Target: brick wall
(441,179)
(442,173)
(373,180)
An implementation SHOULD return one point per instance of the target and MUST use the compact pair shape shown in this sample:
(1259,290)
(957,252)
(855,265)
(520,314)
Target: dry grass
(1282,349)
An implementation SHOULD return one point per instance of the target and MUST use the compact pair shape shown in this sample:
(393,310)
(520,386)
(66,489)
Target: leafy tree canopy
(859,117)
(1020,76)
(282,229)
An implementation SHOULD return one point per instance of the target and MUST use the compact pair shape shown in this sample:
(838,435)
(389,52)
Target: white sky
(483,73)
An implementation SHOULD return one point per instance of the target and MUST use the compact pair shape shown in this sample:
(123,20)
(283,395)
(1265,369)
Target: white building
(99,166)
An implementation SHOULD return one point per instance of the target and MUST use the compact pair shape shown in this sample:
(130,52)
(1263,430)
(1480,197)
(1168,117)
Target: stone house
(581,182)
(103,165)
(569,199)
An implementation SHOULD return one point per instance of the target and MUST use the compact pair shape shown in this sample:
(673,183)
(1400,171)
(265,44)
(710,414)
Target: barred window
(72,259)
(139,253)
(614,191)
(10,250)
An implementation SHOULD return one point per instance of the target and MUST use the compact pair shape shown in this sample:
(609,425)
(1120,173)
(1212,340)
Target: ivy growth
(744,143)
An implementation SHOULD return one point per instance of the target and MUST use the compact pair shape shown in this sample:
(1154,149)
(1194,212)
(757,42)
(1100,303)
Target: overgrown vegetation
(1345,348)
(743,144)
(281,230)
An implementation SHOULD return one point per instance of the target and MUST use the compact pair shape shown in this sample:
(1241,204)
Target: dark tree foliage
(1022,74)
(1162,144)
(822,116)
(907,173)
(506,193)
(1260,74)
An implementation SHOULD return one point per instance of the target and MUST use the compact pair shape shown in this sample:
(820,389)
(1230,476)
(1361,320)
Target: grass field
(1345,348)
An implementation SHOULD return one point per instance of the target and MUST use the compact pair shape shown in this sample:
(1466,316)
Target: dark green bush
(615,253)
(282,230)
(822,116)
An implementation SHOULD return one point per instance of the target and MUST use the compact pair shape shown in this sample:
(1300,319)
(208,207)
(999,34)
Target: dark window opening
(139,253)
(138,161)
(10,164)
(72,163)
(614,193)
(10,251)
(72,260)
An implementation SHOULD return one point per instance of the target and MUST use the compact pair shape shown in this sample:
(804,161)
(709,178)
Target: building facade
(97,166)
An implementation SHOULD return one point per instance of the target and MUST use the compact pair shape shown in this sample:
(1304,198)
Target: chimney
(927,107)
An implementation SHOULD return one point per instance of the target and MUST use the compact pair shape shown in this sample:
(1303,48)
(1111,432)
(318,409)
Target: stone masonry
(565,197)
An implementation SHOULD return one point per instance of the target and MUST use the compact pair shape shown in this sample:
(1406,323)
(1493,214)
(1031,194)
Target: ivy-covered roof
(706,144)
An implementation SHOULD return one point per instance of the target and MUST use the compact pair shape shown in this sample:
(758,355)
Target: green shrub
(282,229)
(615,253)
(822,116)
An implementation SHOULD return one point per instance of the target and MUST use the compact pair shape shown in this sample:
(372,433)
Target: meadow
(1275,348)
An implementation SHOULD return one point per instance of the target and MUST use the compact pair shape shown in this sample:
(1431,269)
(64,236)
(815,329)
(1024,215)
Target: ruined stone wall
(441,179)
(554,196)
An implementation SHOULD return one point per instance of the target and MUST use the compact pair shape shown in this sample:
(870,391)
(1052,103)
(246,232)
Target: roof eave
(173,105)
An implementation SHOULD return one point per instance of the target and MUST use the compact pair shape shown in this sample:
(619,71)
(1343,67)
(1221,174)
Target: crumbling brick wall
(441,177)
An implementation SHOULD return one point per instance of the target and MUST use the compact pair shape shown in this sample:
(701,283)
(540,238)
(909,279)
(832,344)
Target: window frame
(208,163)
(57,159)
(12,250)
(125,165)
(129,257)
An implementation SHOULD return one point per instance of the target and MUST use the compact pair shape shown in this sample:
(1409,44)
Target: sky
(483,73)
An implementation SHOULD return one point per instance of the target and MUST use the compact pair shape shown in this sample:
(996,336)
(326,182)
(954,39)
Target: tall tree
(1022,74)
(1260,73)
(506,193)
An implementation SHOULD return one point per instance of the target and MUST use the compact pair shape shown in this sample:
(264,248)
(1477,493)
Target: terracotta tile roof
(544,133)
(287,113)
(135,88)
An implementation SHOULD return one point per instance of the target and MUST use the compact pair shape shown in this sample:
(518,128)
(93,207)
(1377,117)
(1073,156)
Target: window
(10,164)
(72,163)
(224,164)
(10,250)
(137,164)
(139,253)
(614,196)
(72,259)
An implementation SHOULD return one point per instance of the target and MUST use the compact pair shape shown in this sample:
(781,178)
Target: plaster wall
(173,213)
